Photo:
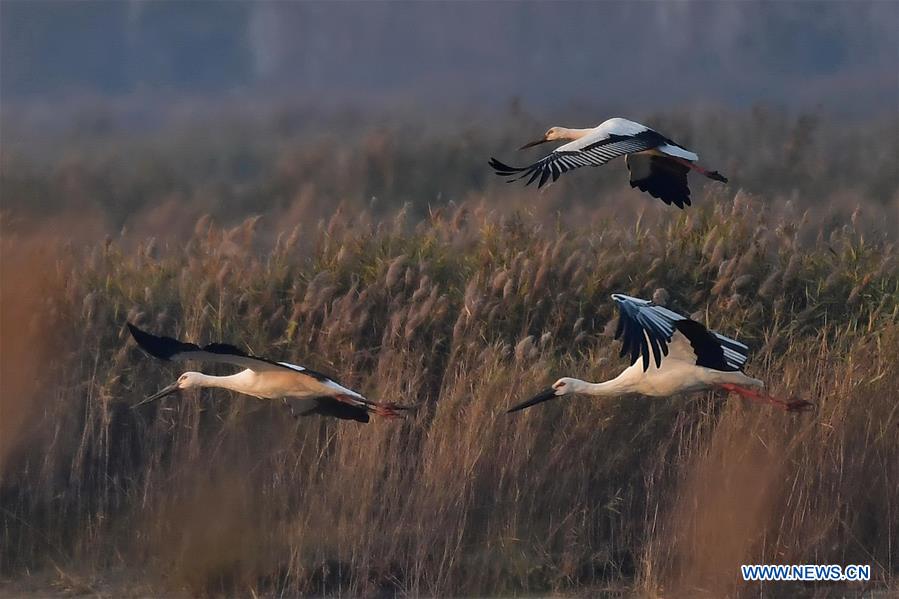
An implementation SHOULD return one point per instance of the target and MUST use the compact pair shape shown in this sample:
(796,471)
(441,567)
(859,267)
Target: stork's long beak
(531,144)
(173,388)
(544,395)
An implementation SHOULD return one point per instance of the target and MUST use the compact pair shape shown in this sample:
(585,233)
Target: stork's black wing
(570,156)
(711,349)
(326,406)
(645,328)
(167,348)
(661,177)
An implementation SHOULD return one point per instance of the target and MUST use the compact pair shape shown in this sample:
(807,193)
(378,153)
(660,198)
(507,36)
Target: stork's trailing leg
(382,409)
(713,175)
(788,405)
(387,410)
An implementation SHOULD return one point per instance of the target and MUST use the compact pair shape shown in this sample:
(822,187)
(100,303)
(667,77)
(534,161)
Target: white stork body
(304,391)
(616,127)
(679,355)
(657,165)
(273,384)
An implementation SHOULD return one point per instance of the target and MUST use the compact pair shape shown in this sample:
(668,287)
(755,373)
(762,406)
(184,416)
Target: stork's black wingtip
(159,347)
(500,168)
(136,332)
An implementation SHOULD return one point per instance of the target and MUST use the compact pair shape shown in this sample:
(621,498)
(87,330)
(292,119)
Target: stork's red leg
(383,409)
(714,175)
(386,410)
(789,405)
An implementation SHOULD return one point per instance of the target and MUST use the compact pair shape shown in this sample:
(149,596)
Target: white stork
(657,165)
(303,391)
(669,354)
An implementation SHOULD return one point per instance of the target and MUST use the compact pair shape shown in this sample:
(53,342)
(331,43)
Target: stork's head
(563,386)
(566,386)
(554,134)
(185,381)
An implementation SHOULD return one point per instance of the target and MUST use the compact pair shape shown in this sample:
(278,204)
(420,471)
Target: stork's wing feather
(711,349)
(644,327)
(571,156)
(661,177)
(167,348)
(647,329)
(326,406)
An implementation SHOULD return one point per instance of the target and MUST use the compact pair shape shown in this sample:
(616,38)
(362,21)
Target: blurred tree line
(836,55)
(114,47)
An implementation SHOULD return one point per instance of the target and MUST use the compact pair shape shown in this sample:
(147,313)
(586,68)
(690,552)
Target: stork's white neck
(235,382)
(572,134)
(616,386)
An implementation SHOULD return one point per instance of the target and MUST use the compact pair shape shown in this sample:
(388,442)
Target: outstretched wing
(661,177)
(645,328)
(711,349)
(583,152)
(167,348)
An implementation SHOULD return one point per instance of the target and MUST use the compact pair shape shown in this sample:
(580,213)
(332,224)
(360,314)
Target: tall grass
(296,161)
(465,311)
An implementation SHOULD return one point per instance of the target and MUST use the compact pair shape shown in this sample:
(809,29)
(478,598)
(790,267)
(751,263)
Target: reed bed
(300,162)
(463,311)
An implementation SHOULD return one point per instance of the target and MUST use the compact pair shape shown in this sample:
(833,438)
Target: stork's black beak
(533,143)
(173,388)
(544,395)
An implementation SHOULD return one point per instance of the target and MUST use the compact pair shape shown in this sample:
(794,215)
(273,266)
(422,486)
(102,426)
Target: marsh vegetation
(409,273)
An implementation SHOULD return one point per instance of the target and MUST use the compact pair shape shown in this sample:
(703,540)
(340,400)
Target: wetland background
(232,173)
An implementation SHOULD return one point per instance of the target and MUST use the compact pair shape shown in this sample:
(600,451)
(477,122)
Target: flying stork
(303,391)
(657,165)
(669,354)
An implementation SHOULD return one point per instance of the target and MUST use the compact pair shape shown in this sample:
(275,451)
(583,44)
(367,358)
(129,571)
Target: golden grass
(466,311)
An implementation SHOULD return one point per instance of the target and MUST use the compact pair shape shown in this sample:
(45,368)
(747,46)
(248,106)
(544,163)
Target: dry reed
(465,313)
